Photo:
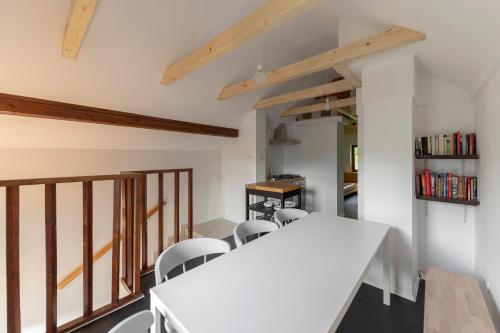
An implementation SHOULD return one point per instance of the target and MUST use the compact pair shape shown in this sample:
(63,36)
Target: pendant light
(260,77)
(327,106)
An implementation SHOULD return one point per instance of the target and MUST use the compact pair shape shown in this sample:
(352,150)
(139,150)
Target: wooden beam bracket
(336,104)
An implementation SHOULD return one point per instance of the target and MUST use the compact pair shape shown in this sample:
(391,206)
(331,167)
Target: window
(354,158)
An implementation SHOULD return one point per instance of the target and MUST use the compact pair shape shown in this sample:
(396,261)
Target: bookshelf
(447,200)
(454,146)
(447,157)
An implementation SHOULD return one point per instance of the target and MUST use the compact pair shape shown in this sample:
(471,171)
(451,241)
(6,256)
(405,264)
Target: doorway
(351,163)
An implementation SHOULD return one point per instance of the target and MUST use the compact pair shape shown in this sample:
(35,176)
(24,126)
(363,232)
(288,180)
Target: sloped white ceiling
(460,33)
(130,43)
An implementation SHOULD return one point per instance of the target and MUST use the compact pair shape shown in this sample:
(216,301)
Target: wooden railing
(144,262)
(100,253)
(132,197)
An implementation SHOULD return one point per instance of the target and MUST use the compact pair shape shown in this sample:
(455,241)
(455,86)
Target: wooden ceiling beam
(39,108)
(348,74)
(336,104)
(391,38)
(351,116)
(273,13)
(78,22)
(321,90)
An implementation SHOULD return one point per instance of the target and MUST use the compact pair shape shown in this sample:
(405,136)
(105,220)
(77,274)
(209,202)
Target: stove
(286,176)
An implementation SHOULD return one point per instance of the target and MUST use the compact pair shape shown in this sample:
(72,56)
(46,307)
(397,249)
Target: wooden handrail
(60,180)
(144,235)
(12,203)
(98,255)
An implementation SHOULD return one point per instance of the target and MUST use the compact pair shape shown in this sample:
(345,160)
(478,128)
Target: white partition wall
(316,159)
(388,169)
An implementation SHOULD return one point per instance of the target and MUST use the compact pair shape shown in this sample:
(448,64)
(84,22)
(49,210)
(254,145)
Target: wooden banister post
(124,227)
(176,208)
(87,249)
(131,184)
(190,203)
(115,254)
(50,258)
(160,213)
(12,259)
(144,225)
(139,193)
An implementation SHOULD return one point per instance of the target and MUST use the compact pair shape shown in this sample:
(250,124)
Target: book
(469,196)
(428,182)
(454,192)
(433,184)
(423,185)
(460,187)
(450,186)
(454,144)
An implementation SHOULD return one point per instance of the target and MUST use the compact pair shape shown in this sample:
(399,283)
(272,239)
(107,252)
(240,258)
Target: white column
(388,164)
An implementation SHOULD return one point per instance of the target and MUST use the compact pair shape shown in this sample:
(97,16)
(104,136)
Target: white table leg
(386,262)
(156,328)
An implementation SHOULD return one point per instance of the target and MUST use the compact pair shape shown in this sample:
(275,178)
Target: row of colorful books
(446,185)
(458,144)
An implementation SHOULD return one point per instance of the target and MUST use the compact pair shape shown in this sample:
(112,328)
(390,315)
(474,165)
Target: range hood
(281,137)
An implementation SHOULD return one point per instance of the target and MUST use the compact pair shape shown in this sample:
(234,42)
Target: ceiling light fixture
(260,77)
(327,106)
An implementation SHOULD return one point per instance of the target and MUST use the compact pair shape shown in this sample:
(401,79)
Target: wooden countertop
(278,186)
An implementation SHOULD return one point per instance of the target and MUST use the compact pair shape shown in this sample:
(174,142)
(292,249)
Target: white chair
(287,215)
(249,228)
(177,254)
(186,250)
(137,323)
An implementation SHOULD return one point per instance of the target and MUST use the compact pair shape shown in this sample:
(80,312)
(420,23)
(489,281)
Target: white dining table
(300,278)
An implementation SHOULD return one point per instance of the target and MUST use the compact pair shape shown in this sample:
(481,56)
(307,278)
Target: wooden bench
(454,303)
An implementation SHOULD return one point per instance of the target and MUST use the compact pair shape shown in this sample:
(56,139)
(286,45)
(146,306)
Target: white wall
(46,162)
(388,171)
(316,159)
(275,155)
(26,132)
(239,167)
(487,121)
(446,232)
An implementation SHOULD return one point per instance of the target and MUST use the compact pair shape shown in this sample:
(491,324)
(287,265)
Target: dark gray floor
(351,206)
(366,314)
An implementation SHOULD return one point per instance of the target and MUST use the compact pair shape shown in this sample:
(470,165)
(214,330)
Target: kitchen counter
(277,189)
(277,186)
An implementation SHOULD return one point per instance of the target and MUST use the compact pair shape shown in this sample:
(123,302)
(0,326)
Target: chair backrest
(137,323)
(186,250)
(250,228)
(287,215)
